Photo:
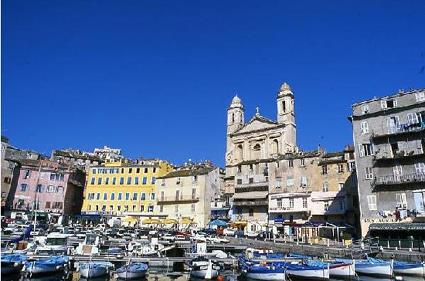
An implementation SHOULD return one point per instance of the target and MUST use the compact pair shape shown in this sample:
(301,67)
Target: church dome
(284,89)
(236,102)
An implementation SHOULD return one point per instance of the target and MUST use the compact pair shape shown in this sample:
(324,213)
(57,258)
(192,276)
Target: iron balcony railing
(402,179)
(283,209)
(180,199)
(400,129)
(251,203)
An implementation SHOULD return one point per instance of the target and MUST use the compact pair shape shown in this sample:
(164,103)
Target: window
(251,180)
(105,196)
(129,180)
(325,187)
(121,180)
(92,181)
(111,207)
(412,118)
(122,170)
(99,181)
(420,96)
(112,196)
(114,181)
(7,180)
(239,168)
(324,169)
(127,196)
(278,183)
(279,203)
(388,103)
(251,212)
(60,189)
(340,168)
(303,181)
(130,170)
(193,193)
(365,149)
(291,163)
(161,208)
(177,194)
(137,170)
(154,170)
(146,170)
(52,176)
(393,124)
(136,180)
(305,203)
(39,188)
(371,201)
(143,196)
(119,208)
(193,208)
(419,198)
(153,196)
(326,206)
(106,181)
(119,196)
(239,181)
(24,187)
(398,172)
(365,109)
(364,127)
(144,180)
(369,173)
(27,174)
(94,171)
(340,186)
(153,180)
(290,181)
(142,208)
(351,166)
(401,200)
(98,196)
(302,162)
(134,208)
(162,195)
(58,205)
(420,168)
(291,203)
(47,205)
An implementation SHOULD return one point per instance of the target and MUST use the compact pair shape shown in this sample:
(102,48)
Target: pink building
(49,186)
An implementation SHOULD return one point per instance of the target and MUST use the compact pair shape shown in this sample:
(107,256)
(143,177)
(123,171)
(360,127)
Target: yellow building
(124,188)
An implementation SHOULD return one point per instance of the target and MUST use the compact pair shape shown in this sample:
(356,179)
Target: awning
(169,221)
(251,195)
(398,226)
(186,220)
(218,223)
(151,221)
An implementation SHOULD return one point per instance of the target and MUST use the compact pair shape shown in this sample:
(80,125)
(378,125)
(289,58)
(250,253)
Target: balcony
(255,186)
(399,156)
(402,129)
(282,209)
(178,200)
(251,203)
(397,180)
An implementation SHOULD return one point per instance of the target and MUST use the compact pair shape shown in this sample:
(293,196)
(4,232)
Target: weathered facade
(389,138)
(185,195)
(248,145)
(78,158)
(44,185)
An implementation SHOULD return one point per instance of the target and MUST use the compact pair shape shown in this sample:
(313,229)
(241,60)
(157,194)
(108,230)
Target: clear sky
(155,77)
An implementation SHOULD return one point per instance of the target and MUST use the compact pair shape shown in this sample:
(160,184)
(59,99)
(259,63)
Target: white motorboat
(54,244)
(374,267)
(307,272)
(90,246)
(408,268)
(203,269)
(93,269)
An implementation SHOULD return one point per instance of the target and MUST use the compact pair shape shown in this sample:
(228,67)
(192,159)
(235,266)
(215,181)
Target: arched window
(233,118)
(239,152)
(257,147)
(284,106)
(275,147)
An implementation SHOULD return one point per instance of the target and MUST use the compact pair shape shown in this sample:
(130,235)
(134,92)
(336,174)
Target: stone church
(250,146)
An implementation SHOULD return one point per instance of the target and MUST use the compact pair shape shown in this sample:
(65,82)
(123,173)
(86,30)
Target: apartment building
(124,188)
(389,138)
(185,195)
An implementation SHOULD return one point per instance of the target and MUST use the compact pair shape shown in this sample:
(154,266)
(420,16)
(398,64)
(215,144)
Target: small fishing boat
(12,263)
(132,271)
(407,268)
(374,267)
(307,272)
(203,269)
(339,269)
(49,265)
(93,269)
(264,272)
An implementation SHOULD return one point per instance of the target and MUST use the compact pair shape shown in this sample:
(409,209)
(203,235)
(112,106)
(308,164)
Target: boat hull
(412,270)
(309,274)
(93,272)
(342,270)
(10,268)
(378,270)
(203,273)
(131,275)
(35,269)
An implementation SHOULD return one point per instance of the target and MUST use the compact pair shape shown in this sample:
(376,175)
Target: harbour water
(159,275)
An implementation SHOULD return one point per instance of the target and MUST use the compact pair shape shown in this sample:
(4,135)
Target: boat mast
(35,196)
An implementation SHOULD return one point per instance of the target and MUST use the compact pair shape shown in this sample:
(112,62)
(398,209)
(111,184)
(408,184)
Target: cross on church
(258,110)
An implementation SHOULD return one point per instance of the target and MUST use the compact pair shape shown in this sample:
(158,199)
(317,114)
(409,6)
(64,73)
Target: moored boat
(46,266)
(12,263)
(407,268)
(132,271)
(338,269)
(203,269)
(374,267)
(94,269)
(308,272)
(264,272)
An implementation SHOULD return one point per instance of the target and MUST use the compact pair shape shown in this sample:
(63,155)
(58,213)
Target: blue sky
(155,77)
